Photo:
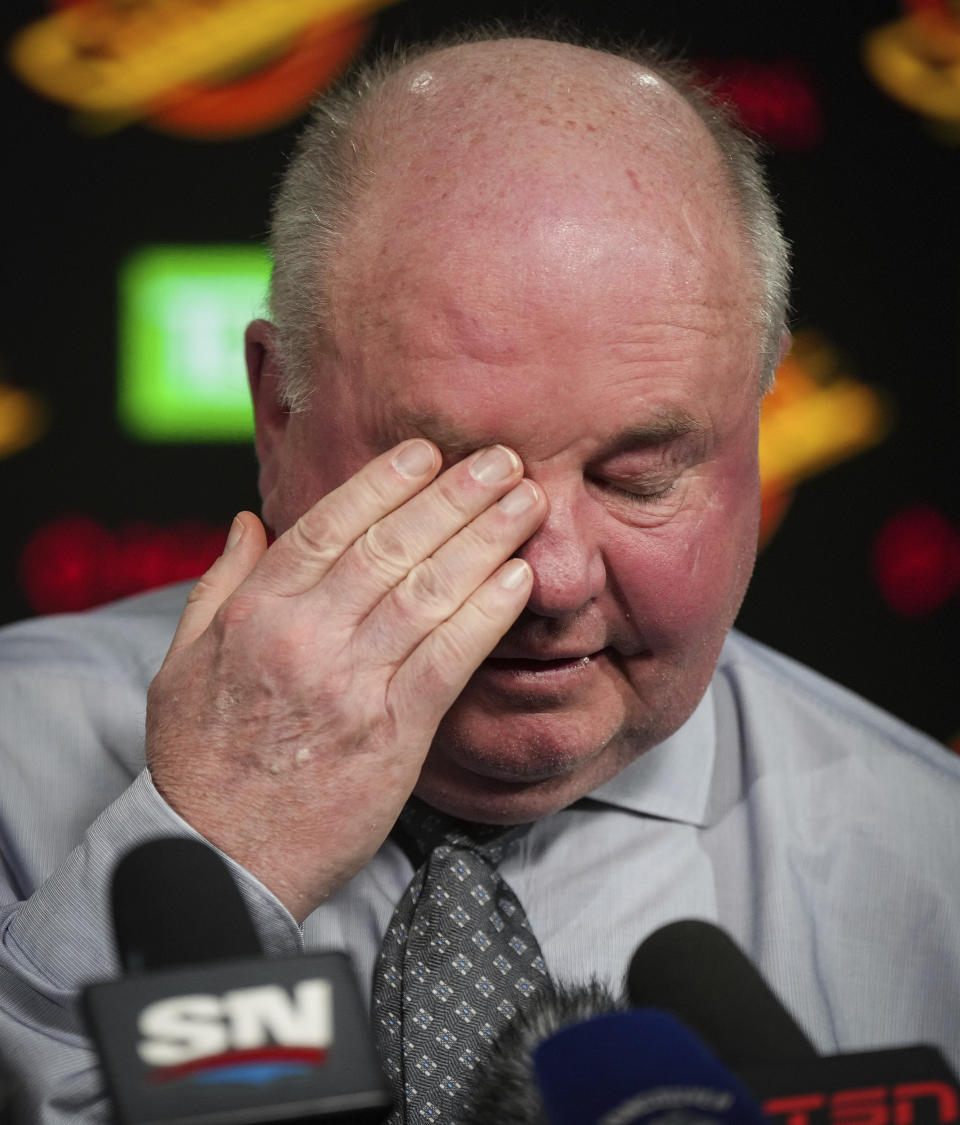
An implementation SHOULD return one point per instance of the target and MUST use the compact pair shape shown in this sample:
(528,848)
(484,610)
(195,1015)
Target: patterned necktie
(457,961)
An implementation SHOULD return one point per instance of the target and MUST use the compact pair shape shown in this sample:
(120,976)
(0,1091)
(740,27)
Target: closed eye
(639,493)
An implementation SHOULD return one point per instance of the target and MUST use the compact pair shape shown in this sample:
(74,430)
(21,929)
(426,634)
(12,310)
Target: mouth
(547,673)
(537,666)
(539,681)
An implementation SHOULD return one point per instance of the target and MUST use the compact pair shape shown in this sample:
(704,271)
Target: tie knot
(427,829)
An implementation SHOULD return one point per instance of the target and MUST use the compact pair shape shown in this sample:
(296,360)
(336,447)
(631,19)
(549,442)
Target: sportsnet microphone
(575,1056)
(206,1030)
(696,972)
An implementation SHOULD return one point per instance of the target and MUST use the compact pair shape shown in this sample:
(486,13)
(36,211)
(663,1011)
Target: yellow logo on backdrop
(251,63)
(23,419)
(816,417)
(916,59)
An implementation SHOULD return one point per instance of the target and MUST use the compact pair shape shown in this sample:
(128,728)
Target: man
(527,297)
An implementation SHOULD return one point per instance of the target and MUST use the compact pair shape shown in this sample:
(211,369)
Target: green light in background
(182,313)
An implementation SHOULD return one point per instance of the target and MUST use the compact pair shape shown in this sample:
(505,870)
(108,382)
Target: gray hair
(329,167)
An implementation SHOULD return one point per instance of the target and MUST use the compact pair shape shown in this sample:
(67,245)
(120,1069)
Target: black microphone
(695,971)
(698,973)
(206,1030)
(8,1098)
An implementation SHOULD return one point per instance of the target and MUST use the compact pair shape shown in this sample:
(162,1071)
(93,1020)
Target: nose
(568,566)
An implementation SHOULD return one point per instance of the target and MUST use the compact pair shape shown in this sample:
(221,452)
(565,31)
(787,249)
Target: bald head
(562,159)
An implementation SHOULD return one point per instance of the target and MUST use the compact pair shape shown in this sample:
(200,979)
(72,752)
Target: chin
(514,766)
(488,801)
(523,779)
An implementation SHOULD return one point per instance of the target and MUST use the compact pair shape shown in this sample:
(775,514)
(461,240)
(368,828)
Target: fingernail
(514,574)
(518,499)
(414,459)
(235,535)
(494,464)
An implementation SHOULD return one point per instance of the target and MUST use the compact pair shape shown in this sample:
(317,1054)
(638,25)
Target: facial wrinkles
(475,291)
(645,145)
(504,341)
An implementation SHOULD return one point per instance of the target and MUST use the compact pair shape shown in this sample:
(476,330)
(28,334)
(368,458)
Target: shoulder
(832,746)
(123,641)
(783,694)
(73,699)
(850,818)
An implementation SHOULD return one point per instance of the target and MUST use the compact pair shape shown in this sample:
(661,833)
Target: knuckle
(203,589)
(427,585)
(235,613)
(384,552)
(489,537)
(318,533)
(452,499)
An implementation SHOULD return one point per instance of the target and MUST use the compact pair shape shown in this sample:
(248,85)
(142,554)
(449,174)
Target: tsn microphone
(696,971)
(205,1030)
(575,1056)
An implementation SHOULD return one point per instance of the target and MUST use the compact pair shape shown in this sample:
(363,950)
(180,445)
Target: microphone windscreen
(637,1066)
(695,971)
(175,903)
(504,1090)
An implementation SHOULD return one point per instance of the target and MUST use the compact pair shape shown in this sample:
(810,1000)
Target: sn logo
(182,1028)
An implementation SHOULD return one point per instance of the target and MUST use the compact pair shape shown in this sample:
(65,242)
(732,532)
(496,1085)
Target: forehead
(585,382)
(535,251)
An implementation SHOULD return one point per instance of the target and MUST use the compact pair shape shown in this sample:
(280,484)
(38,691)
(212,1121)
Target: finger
(448,657)
(439,585)
(246,544)
(390,549)
(305,552)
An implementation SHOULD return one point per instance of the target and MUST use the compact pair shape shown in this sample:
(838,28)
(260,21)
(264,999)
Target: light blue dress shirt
(821,833)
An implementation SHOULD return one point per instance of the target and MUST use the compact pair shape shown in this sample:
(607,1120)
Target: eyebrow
(437,430)
(660,430)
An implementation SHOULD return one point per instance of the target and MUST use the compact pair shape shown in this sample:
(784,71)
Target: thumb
(245,545)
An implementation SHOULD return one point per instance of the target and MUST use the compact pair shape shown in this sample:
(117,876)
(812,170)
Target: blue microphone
(633,1067)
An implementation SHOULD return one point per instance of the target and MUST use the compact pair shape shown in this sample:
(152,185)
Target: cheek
(300,485)
(686,579)
(314,463)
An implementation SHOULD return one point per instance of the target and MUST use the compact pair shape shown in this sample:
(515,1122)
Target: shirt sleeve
(74,799)
(60,939)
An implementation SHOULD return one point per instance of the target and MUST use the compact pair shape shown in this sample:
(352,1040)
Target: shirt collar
(673,779)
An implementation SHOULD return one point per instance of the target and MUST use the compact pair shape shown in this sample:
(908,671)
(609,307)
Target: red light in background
(75,563)
(916,561)
(775,100)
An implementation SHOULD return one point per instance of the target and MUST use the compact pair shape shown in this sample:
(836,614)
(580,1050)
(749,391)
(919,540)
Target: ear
(271,416)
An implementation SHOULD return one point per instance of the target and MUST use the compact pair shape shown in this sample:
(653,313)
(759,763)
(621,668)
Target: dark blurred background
(860,569)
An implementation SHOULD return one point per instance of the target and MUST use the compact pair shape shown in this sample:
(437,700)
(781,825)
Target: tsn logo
(181,1029)
(903,1104)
